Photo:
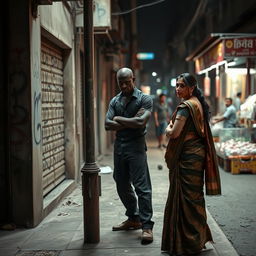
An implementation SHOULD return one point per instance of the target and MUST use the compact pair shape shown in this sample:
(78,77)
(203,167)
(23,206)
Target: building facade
(202,20)
(42,137)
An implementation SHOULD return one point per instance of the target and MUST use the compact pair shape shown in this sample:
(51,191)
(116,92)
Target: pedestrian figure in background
(229,117)
(161,117)
(170,107)
(237,101)
(128,114)
(237,104)
(190,156)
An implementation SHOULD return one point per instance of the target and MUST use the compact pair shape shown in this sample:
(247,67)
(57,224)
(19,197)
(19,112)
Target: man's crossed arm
(119,122)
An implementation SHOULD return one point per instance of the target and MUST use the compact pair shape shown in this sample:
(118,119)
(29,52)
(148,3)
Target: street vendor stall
(247,116)
(235,150)
(226,65)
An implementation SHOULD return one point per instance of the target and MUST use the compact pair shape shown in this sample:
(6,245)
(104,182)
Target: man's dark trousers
(130,167)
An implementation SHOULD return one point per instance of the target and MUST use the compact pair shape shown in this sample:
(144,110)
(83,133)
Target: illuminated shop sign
(240,47)
(145,56)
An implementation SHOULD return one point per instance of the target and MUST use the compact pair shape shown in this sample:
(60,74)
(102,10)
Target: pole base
(90,168)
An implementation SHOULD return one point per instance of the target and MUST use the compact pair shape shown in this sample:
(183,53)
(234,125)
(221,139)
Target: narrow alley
(77,74)
(61,232)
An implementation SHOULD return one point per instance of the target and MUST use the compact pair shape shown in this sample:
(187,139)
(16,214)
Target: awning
(219,47)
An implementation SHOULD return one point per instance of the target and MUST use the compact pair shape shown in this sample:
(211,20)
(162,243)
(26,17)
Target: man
(161,117)
(237,101)
(237,105)
(229,117)
(128,114)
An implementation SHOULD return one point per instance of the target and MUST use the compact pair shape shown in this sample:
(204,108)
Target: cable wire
(138,7)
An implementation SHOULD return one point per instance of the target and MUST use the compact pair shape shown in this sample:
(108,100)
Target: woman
(190,156)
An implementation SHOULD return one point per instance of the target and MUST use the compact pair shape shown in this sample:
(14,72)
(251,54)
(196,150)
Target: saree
(192,164)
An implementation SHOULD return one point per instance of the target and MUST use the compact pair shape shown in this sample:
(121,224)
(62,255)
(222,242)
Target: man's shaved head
(124,72)
(125,80)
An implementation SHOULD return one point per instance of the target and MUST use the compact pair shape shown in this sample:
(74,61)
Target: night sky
(153,27)
(159,25)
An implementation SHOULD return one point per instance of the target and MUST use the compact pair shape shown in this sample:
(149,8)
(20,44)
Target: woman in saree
(191,159)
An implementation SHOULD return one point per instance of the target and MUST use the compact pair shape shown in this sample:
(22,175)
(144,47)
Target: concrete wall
(79,108)
(54,22)
(24,105)
(19,113)
(36,119)
(4,193)
(100,101)
(57,20)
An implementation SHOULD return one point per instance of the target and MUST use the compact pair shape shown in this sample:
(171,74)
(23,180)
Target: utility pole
(90,170)
(134,63)
(134,45)
(248,77)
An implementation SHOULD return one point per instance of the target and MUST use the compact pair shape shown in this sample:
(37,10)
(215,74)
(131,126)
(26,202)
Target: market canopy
(219,48)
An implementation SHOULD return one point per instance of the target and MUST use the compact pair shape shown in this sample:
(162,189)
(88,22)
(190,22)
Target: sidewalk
(61,233)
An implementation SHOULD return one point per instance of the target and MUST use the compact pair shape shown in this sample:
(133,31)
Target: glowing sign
(145,56)
(240,47)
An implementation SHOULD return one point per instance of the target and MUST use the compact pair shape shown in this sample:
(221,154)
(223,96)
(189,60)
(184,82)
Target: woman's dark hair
(190,81)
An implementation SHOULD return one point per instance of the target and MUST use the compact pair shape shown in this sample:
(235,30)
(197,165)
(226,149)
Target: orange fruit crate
(242,164)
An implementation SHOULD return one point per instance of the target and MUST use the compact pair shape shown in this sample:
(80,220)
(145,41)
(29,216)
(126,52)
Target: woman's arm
(173,130)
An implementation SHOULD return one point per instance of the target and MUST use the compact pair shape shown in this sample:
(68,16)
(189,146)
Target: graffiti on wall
(102,15)
(36,120)
(18,111)
(37,126)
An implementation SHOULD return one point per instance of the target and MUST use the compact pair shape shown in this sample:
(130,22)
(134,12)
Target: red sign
(240,47)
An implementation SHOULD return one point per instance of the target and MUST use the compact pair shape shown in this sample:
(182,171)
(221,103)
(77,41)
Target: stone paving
(61,232)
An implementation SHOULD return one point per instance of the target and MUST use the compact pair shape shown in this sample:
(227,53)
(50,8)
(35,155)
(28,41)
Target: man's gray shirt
(117,107)
(162,112)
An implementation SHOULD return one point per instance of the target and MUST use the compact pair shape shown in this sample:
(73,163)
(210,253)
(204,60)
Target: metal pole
(133,31)
(90,181)
(248,77)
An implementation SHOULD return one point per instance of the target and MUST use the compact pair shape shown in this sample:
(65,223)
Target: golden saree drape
(185,229)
